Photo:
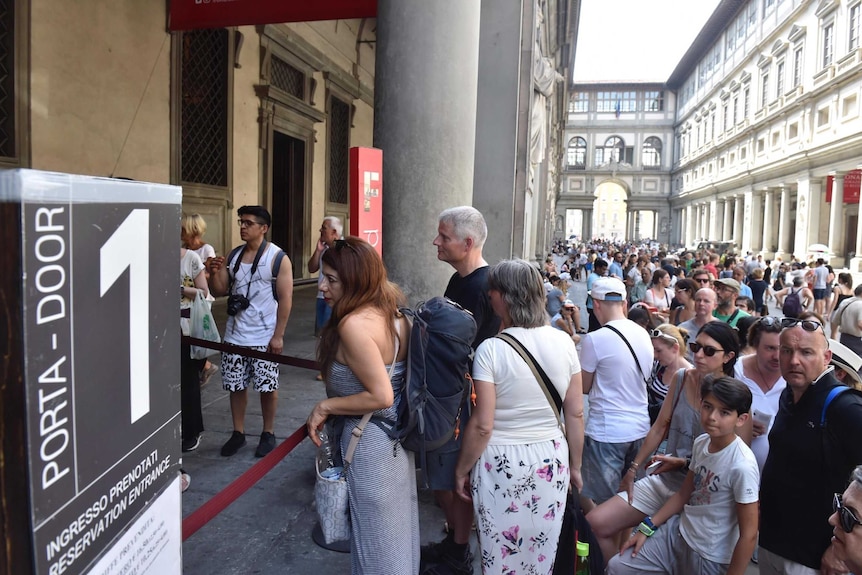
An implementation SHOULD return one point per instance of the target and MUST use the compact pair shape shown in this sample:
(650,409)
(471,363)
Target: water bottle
(582,562)
(327,457)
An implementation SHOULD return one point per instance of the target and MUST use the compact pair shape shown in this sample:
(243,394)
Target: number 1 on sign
(129,247)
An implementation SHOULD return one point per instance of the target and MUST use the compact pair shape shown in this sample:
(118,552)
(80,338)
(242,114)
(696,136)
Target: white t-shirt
(764,405)
(190,267)
(721,480)
(523,413)
(618,397)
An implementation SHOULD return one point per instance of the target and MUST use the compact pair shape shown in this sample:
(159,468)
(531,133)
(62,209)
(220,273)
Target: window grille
(287,78)
(339,141)
(7,79)
(204,116)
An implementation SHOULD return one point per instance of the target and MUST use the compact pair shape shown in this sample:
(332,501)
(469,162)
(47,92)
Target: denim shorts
(604,465)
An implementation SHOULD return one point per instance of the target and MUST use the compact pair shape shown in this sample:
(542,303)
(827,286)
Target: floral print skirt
(519,495)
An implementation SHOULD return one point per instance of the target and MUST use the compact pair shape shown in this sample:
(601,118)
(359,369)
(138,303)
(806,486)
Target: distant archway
(610,211)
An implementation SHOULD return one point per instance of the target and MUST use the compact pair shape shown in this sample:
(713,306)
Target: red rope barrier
(203,514)
(229,348)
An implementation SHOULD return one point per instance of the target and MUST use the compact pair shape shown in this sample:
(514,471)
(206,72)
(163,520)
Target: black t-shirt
(798,479)
(471,292)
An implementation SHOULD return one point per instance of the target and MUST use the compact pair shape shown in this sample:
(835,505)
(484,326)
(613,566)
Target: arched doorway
(610,211)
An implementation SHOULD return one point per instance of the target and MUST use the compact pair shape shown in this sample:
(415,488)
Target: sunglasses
(657,333)
(772,324)
(806,324)
(708,350)
(846,516)
(343,244)
(702,280)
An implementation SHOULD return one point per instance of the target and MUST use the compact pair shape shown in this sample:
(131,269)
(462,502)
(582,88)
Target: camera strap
(236,264)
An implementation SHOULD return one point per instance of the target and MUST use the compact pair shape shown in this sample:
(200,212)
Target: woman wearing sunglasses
(761,372)
(715,351)
(846,522)
(669,346)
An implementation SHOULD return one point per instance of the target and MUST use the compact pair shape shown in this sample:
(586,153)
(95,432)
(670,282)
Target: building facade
(617,169)
(266,113)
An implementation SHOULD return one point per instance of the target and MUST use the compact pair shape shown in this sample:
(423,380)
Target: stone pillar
(738,216)
(698,222)
(768,224)
(506,43)
(856,262)
(691,216)
(837,240)
(727,219)
(587,229)
(784,225)
(714,221)
(809,197)
(424,49)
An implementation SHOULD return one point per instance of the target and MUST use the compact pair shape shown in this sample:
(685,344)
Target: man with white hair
(330,230)
(461,234)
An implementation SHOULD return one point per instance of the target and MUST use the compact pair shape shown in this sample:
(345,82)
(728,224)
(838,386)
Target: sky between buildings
(636,39)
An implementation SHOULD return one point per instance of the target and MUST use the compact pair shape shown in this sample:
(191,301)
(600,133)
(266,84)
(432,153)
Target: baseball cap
(729,282)
(568,303)
(846,359)
(608,289)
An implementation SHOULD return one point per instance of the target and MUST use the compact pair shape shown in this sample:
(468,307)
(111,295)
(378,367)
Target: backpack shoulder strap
(631,349)
(276,267)
(233,253)
(833,393)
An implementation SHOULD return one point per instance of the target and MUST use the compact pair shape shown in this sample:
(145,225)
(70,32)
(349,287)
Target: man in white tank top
(256,320)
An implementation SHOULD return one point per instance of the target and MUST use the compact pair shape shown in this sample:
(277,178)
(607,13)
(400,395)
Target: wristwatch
(647,527)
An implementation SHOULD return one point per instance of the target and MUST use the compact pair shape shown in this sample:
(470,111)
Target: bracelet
(687,464)
(645,529)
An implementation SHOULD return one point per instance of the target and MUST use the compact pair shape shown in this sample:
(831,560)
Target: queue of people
(687,461)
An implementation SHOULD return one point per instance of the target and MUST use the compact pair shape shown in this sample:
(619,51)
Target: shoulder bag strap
(356,434)
(680,382)
(631,349)
(551,393)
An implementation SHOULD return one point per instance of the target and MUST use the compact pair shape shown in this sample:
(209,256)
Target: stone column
(714,221)
(738,217)
(424,49)
(768,224)
(691,216)
(837,240)
(809,196)
(698,222)
(727,218)
(587,229)
(784,225)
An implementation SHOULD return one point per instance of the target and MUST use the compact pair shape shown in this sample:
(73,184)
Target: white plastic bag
(203,326)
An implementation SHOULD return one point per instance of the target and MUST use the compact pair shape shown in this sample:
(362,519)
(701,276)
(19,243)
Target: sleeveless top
(684,428)
(255,325)
(841,297)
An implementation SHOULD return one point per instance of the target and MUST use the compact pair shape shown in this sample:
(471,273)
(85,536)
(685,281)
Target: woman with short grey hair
(515,460)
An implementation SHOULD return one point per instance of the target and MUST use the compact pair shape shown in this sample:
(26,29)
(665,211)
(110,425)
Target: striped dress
(381,482)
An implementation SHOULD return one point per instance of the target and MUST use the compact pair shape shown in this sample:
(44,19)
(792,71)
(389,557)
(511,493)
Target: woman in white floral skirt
(515,461)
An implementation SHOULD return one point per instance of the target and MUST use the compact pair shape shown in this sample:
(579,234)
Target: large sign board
(852,180)
(191,14)
(101,368)
(366,196)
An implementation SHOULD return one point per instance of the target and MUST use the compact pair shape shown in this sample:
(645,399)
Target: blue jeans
(323,311)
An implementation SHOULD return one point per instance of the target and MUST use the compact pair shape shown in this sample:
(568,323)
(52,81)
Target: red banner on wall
(366,196)
(195,14)
(851,187)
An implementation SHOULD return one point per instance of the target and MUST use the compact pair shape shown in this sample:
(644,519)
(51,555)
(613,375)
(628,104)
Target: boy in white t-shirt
(716,531)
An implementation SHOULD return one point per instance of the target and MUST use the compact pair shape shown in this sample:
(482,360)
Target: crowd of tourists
(696,430)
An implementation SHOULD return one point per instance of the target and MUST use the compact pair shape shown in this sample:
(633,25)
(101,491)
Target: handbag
(202,326)
(575,525)
(330,489)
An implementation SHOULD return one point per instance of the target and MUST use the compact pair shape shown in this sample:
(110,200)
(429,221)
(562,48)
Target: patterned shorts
(237,371)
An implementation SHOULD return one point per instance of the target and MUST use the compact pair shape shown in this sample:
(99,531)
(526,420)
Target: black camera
(236,303)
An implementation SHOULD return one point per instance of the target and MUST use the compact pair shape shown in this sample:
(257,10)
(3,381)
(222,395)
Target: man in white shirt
(616,361)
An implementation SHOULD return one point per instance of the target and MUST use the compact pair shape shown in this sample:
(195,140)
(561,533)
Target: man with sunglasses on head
(256,321)
(814,444)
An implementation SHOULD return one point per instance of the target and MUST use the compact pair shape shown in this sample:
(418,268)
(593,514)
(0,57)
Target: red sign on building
(195,14)
(366,196)
(851,187)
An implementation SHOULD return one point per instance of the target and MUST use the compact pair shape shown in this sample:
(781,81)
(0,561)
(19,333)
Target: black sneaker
(433,552)
(462,564)
(267,444)
(237,440)
(191,443)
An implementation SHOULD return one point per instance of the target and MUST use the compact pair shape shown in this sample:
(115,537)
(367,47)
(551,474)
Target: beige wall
(100,101)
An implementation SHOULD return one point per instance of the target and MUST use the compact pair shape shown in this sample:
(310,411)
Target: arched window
(651,156)
(576,154)
(614,150)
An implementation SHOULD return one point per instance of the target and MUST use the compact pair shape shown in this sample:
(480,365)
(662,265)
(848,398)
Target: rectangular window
(828,49)
(204,107)
(616,101)
(7,81)
(853,26)
(725,117)
(339,150)
(764,89)
(797,66)
(654,101)
(746,103)
(735,110)
(779,79)
(579,103)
